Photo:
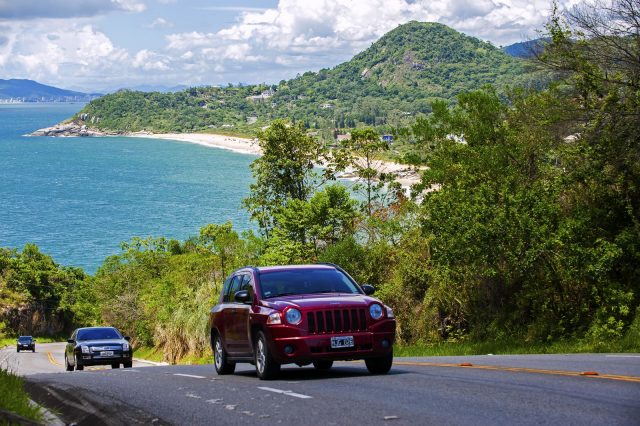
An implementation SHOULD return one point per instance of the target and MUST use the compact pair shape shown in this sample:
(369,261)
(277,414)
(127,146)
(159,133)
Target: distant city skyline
(103,45)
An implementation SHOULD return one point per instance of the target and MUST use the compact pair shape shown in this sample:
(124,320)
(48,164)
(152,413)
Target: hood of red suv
(319,301)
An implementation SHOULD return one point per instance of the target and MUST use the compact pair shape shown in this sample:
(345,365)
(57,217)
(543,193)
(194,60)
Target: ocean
(79,198)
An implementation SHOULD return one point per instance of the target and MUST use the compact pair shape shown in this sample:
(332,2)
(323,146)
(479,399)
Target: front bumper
(26,347)
(94,359)
(290,344)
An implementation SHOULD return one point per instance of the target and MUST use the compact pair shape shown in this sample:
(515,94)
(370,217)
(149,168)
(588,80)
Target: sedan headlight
(375,311)
(125,347)
(293,316)
(85,349)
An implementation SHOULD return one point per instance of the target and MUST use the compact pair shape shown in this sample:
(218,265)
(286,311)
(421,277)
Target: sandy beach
(405,175)
(232,143)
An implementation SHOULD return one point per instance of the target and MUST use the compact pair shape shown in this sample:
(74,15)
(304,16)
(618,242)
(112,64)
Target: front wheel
(79,366)
(115,365)
(322,364)
(380,365)
(220,358)
(127,364)
(266,367)
(68,366)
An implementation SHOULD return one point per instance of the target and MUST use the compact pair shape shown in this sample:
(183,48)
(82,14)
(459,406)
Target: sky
(105,45)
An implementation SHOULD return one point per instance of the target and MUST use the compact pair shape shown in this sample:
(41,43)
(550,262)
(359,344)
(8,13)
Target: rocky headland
(72,129)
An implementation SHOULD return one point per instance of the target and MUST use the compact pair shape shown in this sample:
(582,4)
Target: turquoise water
(78,198)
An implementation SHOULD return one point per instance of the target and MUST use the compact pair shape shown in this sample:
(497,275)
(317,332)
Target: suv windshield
(305,281)
(25,339)
(98,334)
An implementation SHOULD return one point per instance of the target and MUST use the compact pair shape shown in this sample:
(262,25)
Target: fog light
(288,349)
(385,343)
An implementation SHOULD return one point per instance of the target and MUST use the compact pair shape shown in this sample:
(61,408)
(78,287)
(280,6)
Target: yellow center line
(52,360)
(522,370)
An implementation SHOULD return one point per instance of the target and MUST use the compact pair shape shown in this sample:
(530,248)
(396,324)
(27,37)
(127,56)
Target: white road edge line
(622,356)
(285,392)
(189,375)
(150,362)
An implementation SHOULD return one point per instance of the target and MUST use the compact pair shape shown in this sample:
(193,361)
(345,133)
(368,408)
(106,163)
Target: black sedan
(26,343)
(97,346)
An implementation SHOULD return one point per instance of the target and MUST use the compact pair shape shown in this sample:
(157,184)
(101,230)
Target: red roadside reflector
(589,373)
(466,364)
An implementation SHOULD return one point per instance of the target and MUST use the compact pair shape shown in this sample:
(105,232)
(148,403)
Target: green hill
(388,83)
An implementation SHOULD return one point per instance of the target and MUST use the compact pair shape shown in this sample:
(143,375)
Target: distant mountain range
(20,90)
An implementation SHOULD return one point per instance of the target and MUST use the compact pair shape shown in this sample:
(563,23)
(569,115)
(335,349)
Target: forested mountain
(396,78)
(32,91)
(526,49)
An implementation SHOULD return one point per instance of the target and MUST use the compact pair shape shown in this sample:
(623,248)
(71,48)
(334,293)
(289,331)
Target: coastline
(406,175)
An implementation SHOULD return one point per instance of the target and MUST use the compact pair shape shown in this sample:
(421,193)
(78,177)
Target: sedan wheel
(79,366)
(66,363)
(115,365)
(220,358)
(266,367)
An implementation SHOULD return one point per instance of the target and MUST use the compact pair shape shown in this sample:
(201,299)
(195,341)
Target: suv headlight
(390,313)
(85,349)
(125,347)
(293,316)
(375,311)
(274,318)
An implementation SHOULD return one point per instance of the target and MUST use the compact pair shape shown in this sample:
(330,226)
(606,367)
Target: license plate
(106,353)
(342,342)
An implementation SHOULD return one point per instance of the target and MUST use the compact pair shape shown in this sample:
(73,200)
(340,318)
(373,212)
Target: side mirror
(368,289)
(242,297)
(71,341)
(127,338)
(34,340)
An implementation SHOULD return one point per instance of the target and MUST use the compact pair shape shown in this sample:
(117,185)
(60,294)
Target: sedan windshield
(98,334)
(305,281)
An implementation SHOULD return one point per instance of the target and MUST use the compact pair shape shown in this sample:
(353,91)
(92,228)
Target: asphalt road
(478,390)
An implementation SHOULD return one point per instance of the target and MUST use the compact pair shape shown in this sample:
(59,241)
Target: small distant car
(302,314)
(97,346)
(26,343)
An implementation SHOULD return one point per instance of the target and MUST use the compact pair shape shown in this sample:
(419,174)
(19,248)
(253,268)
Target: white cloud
(148,60)
(57,53)
(161,23)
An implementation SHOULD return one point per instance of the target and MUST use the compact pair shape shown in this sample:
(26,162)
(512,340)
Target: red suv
(299,314)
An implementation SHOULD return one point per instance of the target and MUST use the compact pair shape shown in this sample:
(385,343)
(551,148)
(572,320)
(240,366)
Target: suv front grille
(336,320)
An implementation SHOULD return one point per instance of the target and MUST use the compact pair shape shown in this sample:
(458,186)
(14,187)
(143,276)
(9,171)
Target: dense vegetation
(525,227)
(384,86)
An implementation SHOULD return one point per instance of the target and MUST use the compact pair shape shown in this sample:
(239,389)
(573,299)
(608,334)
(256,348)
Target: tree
(359,153)
(284,172)
(222,241)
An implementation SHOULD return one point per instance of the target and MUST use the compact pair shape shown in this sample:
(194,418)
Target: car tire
(221,359)
(322,365)
(380,365)
(68,366)
(127,364)
(115,365)
(18,350)
(266,367)
(33,350)
(79,366)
